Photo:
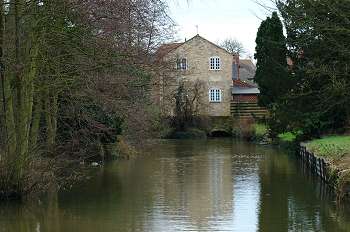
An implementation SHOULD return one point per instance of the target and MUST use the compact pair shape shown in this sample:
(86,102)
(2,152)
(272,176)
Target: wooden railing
(247,109)
(316,165)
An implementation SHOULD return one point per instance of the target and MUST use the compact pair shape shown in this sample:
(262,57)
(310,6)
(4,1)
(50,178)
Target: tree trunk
(51,108)
(3,134)
(34,130)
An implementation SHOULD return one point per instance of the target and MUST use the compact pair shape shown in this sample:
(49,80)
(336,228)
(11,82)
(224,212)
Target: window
(215,95)
(181,64)
(214,63)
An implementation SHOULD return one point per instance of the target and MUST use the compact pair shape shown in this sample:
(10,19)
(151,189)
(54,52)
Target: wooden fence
(316,165)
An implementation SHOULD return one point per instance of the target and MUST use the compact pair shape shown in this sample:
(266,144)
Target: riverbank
(188,185)
(331,151)
(335,150)
(327,157)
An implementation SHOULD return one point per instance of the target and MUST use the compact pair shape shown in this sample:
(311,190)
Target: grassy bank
(336,151)
(331,147)
(287,137)
(261,130)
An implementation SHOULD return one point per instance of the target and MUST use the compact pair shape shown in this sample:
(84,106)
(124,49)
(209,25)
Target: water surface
(203,185)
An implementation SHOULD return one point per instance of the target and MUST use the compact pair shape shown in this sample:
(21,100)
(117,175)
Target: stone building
(209,71)
(198,60)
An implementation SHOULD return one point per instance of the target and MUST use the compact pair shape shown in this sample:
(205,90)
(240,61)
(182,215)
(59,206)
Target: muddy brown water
(189,185)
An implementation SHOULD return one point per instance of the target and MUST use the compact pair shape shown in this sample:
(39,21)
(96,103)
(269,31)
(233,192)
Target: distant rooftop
(247,71)
(239,90)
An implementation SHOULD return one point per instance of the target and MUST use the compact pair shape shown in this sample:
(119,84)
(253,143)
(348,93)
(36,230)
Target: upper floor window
(214,63)
(181,64)
(215,95)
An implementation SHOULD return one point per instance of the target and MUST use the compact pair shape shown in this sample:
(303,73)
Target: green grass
(330,146)
(287,137)
(260,130)
(335,149)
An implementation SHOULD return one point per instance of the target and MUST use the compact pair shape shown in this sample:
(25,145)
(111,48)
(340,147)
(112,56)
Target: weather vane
(197,29)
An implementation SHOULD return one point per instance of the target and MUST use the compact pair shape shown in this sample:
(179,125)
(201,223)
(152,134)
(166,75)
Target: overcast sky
(219,19)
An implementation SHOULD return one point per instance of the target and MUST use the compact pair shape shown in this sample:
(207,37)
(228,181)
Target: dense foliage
(74,74)
(318,40)
(316,98)
(271,67)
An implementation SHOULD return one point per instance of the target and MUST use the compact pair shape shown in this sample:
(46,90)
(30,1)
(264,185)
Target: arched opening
(220,134)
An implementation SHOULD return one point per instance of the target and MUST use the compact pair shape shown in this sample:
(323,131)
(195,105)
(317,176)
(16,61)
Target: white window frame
(215,95)
(179,64)
(214,63)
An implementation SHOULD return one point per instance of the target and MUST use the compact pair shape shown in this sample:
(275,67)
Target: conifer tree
(272,71)
(318,42)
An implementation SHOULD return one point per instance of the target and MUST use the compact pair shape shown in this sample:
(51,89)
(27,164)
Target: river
(189,185)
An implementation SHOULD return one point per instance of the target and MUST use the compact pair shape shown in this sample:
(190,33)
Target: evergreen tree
(271,52)
(318,41)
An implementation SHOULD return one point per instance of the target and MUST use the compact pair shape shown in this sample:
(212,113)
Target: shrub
(247,129)
(260,130)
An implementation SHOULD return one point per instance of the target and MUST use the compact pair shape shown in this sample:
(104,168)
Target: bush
(260,130)
(123,149)
(287,137)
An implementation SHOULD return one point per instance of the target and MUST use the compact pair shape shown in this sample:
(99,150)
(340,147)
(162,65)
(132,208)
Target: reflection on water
(213,185)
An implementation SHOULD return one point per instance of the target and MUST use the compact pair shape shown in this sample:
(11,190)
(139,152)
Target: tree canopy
(74,74)
(233,46)
(315,99)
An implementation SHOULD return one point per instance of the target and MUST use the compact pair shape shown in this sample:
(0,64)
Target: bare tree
(233,46)
(188,103)
(75,69)
(135,28)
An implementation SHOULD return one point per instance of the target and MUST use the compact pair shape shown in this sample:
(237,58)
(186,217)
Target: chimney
(235,65)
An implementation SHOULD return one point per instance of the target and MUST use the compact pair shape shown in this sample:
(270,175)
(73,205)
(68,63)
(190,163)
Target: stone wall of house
(198,51)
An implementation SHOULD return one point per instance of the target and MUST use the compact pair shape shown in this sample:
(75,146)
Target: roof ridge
(211,43)
(182,43)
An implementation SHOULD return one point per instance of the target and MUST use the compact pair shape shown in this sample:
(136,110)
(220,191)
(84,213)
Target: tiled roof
(242,84)
(242,87)
(247,64)
(247,71)
(198,36)
(165,49)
